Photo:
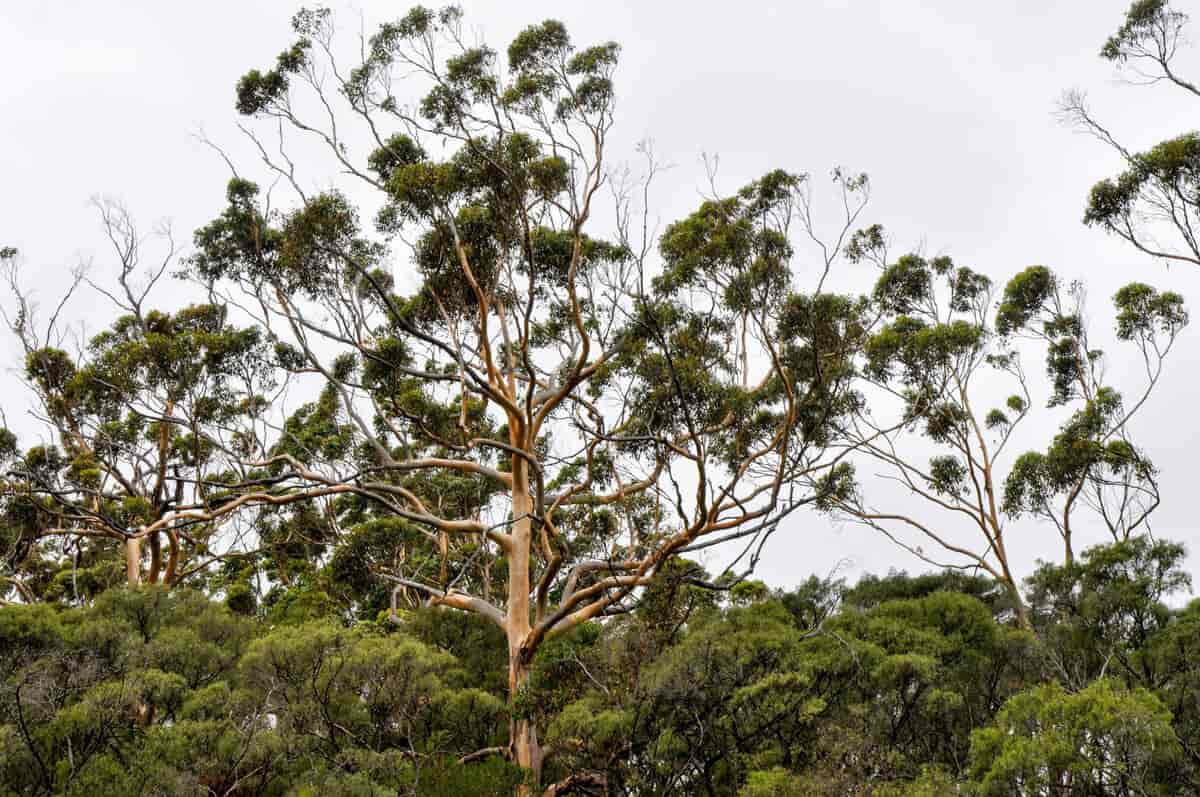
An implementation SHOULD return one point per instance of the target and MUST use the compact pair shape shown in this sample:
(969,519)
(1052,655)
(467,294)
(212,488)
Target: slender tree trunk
(172,558)
(394,604)
(152,577)
(1021,609)
(444,551)
(1010,582)
(1018,600)
(133,561)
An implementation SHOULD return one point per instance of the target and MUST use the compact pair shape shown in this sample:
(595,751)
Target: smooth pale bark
(133,561)
(526,751)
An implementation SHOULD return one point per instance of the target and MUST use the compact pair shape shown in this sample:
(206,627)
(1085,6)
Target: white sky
(948,105)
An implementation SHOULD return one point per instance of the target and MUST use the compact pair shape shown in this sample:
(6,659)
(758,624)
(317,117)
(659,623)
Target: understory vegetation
(897,685)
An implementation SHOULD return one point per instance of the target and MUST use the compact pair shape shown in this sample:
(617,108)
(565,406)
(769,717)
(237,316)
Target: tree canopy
(1152,202)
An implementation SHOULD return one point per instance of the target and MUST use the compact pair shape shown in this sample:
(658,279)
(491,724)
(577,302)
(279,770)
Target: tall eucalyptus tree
(545,418)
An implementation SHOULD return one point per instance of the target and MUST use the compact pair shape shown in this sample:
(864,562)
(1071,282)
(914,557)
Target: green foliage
(1152,203)
(918,353)
(904,286)
(1105,739)
(1025,296)
(172,692)
(947,475)
(1171,163)
(728,243)
(1083,448)
(258,91)
(933,351)
(302,253)
(919,686)
(149,417)
(774,782)
(1143,311)
(1101,611)
(1143,21)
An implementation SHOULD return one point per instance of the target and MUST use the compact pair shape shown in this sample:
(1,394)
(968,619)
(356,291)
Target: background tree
(1152,204)
(539,400)
(1098,614)
(153,426)
(1104,739)
(929,373)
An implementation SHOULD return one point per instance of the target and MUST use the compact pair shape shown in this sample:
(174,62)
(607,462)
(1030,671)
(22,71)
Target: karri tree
(1153,203)
(147,433)
(936,423)
(538,418)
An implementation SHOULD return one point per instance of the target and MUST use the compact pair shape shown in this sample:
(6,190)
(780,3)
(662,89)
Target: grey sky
(948,105)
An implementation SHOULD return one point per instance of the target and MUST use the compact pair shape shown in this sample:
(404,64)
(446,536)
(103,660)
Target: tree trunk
(133,561)
(1019,606)
(172,558)
(526,751)
(1009,581)
(152,577)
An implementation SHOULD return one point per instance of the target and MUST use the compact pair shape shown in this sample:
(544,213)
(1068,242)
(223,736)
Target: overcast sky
(948,105)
